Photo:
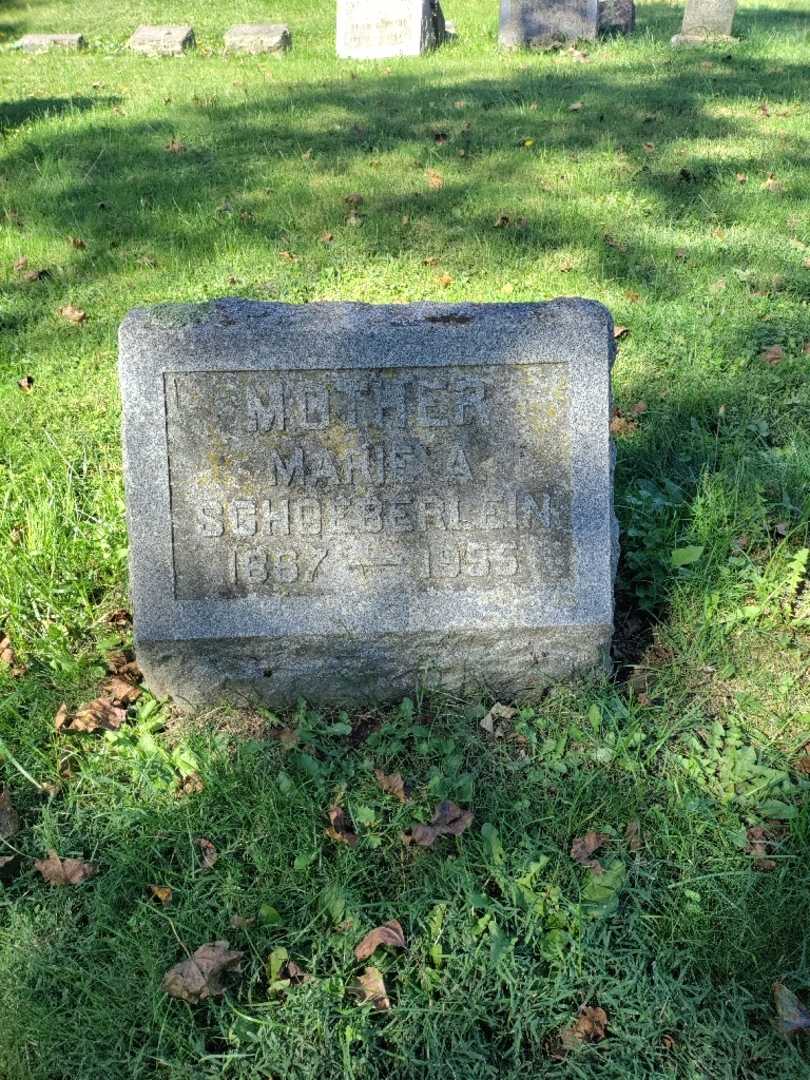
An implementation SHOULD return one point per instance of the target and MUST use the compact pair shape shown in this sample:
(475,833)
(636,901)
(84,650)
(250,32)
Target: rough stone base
(686,40)
(512,664)
(162,40)
(33,43)
(254,38)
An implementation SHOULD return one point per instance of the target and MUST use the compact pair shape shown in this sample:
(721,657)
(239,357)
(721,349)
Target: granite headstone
(162,40)
(271,38)
(43,42)
(378,29)
(340,501)
(706,20)
(537,22)
(616,16)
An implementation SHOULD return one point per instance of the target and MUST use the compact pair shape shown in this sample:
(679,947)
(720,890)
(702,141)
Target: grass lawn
(676,193)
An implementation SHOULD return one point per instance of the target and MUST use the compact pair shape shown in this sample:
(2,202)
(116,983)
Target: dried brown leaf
(120,618)
(639,408)
(101,714)
(26,383)
(327,237)
(758,845)
(21,264)
(120,690)
(370,987)
(175,145)
(392,784)
(621,425)
(448,820)
(435,179)
(742,178)
(389,933)
(77,242)
(72,314)
(163,893)
(772,184)
(576,106)
(8,658)
(9,819)
(190,785)
(338,829)
(583,847)
(241,922)
(287,737)
(209,853)
(619,332)
(445,280)
(632,834)
(37,275)
(200,976)
(58,871)
(773,355)
(589,1026)
(497,719)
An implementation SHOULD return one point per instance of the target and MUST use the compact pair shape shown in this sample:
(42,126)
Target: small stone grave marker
(43,42)
(378,29)
(339,501)
(537,22)
(706,20)
(162,40)
(258,38)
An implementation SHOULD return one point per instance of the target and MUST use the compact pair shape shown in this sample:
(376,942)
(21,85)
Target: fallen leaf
(175,146)
(681,253)
(632,296)
(21,264)
(58,871)
(338,830)
(370,987)
(758,847)
(803,763)
(430,260)
(583,847)
(589,1026)
(101,714)
(619,332)
(772,184)
(495,721)
(773,355)
(163,893)
(445,280)
(72,314)
(199,977)
(639,408)
(26,383)
(448,820)
(577,56)
(209,853)
(392,784)
(287,737)
(77,242)
(241,922)
(121,691)
(648,148)
(389,933)
(190,785)
(567,265)
(576,106)
(120,618)
(37,275)
(354,200)
(435,179)
(792,1015)
(742,178)
(288,256)
(327,237)
(9,818)
(440,137)
(501,221)
(632,834)
(8,658)
(621,425)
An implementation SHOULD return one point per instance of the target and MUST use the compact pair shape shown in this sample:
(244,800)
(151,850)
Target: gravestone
(258,38)
(616,16)
(706,20)
(378,29)
(162,40)
(43,42)
(339,501)
(537,22)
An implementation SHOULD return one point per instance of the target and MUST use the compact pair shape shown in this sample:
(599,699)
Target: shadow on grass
(15,114)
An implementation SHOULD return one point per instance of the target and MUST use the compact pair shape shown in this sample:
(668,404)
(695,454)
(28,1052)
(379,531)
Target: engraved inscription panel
(315,483)
(388,29)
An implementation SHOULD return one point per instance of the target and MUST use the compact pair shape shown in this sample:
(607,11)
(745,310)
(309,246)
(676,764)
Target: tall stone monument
(537,22)
(378,29)
(340,501)
(706,20)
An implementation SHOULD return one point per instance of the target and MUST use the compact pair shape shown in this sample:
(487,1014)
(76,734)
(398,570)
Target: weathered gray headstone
(258,38)
(377,29)
(617,16)
(535,22)
(706,20)
(339,501)
(43,42)
(162,40)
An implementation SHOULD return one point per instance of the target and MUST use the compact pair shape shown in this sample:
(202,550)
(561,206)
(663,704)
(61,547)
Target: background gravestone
(162,40)
(258,38)
(337,501)
(617,16)
(43,42)
(529,22)
(706,19)
(376,29)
